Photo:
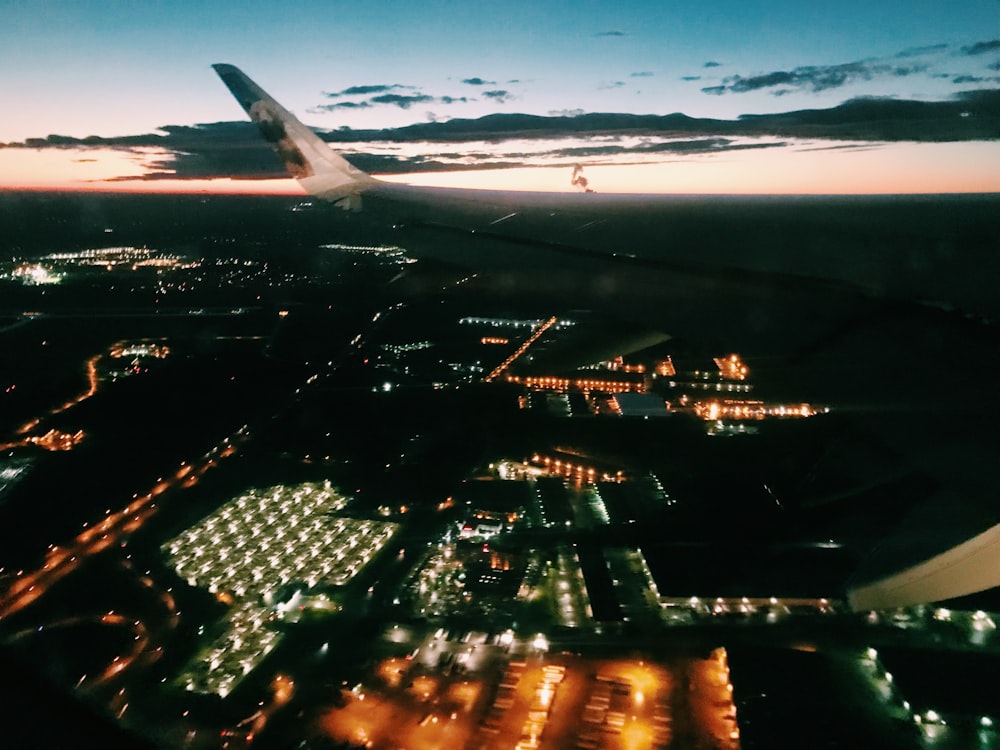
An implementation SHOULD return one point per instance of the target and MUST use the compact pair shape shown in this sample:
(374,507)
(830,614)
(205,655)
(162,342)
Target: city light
(732,367)
(540,330)
(251,550)
(585,384)
(712,411)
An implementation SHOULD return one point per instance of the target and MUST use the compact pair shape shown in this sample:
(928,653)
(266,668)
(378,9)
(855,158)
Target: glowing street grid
(253,546)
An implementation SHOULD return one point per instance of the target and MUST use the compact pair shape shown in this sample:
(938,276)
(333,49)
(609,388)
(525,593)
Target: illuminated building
(729,429)
(390,253)
(510,322)
(415,346)
(734,409)
(36,274)
(490,572)
(732,367)
(704,381)
(577,469)
(480,527)
(618,364)
(121,349)
(665,367)
(585,384)
(54,440)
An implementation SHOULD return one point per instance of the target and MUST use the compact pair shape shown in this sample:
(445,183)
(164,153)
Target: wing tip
(318,168)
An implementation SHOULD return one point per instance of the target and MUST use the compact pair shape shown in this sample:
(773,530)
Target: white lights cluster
(236,652)
(264,539)
(392,252)
(118,256)
(254,545)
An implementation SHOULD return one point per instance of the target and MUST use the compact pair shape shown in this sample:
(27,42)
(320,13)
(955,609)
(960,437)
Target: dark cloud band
(377,88)
(981,48)
(813,78)
(819,78)
(234,149)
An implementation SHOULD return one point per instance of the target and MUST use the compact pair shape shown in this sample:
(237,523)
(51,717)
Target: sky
(129,89)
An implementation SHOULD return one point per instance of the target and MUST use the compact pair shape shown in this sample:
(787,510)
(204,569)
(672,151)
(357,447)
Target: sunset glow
(780,99)
(883,169)
(800,168)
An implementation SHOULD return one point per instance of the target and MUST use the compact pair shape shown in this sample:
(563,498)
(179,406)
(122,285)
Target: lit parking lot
(253,547)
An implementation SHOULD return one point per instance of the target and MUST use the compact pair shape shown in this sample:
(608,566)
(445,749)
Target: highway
(112,530)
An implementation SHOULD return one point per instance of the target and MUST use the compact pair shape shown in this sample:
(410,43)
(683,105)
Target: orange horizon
(885,169)
(176,187)
(294,190)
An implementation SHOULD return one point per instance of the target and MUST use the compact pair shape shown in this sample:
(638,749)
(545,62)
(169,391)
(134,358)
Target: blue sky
(122,68)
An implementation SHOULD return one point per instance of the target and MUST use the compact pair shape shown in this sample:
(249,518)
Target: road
(111,530)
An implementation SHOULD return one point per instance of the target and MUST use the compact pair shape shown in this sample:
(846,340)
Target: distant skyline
(125,71)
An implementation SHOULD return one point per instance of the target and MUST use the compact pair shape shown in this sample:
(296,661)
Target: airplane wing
(847,246)
(880,305)
(320,170)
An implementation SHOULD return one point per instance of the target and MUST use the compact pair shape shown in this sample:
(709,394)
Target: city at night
(629,395)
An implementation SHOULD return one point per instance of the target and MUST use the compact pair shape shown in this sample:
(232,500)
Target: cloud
(690,78)
(641,74)
(498,95)
(337,105)
(711,64)
(926,61)
(611,33)
(980,48)
(378,88)
(925,50)
(553,151)
(403,101)
(740,84)
(399,95)
(384,94)
(687,146)
(611,85)
(813,78)
(865,119)
(233,149)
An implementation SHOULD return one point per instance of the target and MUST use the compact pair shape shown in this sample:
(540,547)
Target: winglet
(319,169)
